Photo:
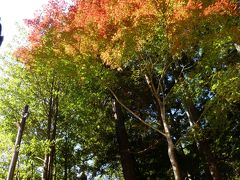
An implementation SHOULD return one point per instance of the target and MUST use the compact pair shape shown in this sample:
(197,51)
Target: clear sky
(14,11)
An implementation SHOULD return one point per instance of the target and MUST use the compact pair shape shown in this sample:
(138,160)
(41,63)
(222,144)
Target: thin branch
(152,146)
(134,114)
(151,85)
(40,159)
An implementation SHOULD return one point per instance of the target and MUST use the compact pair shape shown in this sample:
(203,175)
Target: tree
(134,39)
(18,142)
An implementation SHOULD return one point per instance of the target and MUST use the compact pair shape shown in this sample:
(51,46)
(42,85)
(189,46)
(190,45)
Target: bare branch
(134,114)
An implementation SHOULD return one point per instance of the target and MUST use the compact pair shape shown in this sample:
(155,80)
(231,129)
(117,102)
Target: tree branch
(134,114)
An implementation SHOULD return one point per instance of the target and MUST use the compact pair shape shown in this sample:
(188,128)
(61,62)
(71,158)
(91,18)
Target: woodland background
(125,89)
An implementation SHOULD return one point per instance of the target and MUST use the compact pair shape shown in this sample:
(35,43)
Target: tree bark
(49,124)
(53,138)
(203,145)
(127,160)
(65,151)
(18,143)
(65,168)
(83,176)
(52,117)
(171,146)
(211,161)
(160,103)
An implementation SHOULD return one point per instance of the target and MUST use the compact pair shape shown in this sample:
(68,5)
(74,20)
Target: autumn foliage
(192,21)
(106,28)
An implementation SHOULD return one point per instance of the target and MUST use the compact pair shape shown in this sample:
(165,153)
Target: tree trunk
(171,146)
(83,176)
(51,160)
(66,156)
(203,145)
(53,138)
(47,155)
(17,143)
(212,165)
(65,168)
(160,103)
(127,159)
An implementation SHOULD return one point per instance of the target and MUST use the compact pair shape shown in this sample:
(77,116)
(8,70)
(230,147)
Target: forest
(123,89)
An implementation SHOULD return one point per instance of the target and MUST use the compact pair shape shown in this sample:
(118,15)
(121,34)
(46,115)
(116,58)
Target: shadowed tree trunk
(65,167)
(127,159)
(51,134)
(49,124)
(65,152)
(83,176)
(53,138)
(17,143)
(203,145)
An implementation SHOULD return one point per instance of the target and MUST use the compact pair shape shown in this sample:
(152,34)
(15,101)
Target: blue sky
(14,11)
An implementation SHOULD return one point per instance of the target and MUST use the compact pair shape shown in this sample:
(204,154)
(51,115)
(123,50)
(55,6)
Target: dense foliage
(126,89)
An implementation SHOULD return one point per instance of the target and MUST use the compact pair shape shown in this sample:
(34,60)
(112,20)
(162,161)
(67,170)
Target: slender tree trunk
(55,168)
(17,143)
(65,153)
(203,145)
(65,167)
(127,159)
(53,138)
(160,103)
(47,155)
(171,146)
(51,160)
